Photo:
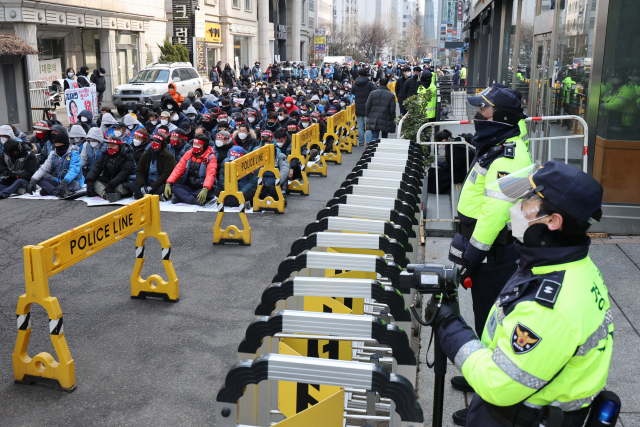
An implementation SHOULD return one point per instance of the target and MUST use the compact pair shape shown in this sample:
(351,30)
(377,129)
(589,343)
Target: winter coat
(257,74)
(178,151)
(89,123)
(228,77)
(286,72)
(354,72)
(99,81)
(293,105)
(114,170)
(21,168)
(213,75)
(175,94)
(400,88)
(165,163)
(90,155)
(410,87)
(250,143)
(67,167)
(207,172)
(221,155)
(83,79)
(361,90)
(313,72)
(181,119)
(381,110)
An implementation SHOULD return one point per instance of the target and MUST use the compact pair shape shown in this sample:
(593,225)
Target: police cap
(495,96)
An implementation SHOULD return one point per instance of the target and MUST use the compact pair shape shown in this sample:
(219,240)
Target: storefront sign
(199,24)
(184,22)
(213,33)
(78,100)
(199,57)
(243,29)
(50,69)
(281,34)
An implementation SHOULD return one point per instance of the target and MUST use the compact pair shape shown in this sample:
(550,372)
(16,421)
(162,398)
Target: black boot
(137,194)
(460,383)
(460,417)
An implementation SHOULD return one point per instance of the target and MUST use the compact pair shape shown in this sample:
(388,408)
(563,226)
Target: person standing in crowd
(361,89)
(83,77)
(257,74)
(228,76)
(97,78)
(313,71)
(546,348)
(406,75)
(411,85)
(380,110)
(17,165)
(214,77)
(70,81)
(483,244)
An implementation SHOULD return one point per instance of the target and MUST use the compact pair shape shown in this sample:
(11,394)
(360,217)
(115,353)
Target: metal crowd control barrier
(374,202)
(277,293)
(356,211)
(338,261)
(391,167)
(384,157)
(540,153)
(379,182)
(397,145)
(379,188)
(416,155)
(276,367)
(383,174)
(264,160)
(61,252)
(372,242)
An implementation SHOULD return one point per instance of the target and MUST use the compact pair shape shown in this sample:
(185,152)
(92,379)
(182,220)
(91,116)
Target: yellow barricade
(58,253)
(352,125)
(309,137)
(263,158)
(335,155)
(392,87)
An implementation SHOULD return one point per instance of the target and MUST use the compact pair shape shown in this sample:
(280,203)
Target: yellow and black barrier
(352,121)
(335,155)
(392,87)
(58,253)
(309,137)
(263,159)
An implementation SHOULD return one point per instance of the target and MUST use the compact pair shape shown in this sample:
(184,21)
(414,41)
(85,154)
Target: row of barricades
(341,136)
(331,342)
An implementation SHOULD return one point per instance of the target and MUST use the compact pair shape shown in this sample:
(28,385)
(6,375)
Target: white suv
(153,82)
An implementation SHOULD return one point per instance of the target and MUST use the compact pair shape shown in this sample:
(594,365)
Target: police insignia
(523,339)
(502,174)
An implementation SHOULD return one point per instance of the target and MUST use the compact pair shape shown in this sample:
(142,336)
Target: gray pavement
(141,363)
(619,262)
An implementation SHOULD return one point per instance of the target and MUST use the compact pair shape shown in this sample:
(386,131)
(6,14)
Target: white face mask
(137,142)
(3,139)
(343,104)
(408,74)
(76,140)
(154,122)
(288,104)
(252,119)
(131,127)
(70,75)
(101,75)
(131,111)
(242,135)
(169,107)
(164,122)
(220,142)
(176,117)
(305,124)
(83,119)
(279,144)
(94,144)
(281,118)
(192,116)
(117,133)
(261,104)
(519,222)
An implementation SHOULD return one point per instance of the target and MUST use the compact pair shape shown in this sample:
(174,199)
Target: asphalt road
(143,362)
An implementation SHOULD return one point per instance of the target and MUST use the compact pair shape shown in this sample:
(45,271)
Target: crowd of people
(179,149)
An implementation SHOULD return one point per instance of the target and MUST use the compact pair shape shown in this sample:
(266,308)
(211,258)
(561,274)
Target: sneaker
(22,191)
(112,197)
(460,417)
(361,144)
(460,383)
(174,199)
(247,205)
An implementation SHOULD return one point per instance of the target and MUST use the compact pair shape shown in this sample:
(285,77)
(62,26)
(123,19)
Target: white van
(338,59)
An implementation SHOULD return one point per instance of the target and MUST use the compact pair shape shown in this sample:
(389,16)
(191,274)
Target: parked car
(152,82)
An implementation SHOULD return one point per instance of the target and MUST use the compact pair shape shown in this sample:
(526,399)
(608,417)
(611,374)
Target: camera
(431,279)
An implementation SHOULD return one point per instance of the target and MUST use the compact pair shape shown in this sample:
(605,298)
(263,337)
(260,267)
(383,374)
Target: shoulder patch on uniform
(502,174)
(548,293)
(509,151)
(523,339)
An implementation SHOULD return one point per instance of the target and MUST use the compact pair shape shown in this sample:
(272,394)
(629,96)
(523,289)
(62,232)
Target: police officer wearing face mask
(546,348)
(483,244)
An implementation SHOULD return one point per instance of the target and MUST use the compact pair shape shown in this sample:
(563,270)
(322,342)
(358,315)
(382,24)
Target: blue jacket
(181,119)
(67,167)
(91,155)
(313,72)
(183,150)
(257,74)
(328,72)
(127,137)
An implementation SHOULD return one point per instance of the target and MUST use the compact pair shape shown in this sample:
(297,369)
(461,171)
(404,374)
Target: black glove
(31,187)
(108,189)
(465,276)
(61,191)
(447,309)
(467,137)
(90,191)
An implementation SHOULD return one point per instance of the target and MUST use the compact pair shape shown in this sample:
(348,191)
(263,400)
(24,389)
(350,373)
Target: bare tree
(372,38)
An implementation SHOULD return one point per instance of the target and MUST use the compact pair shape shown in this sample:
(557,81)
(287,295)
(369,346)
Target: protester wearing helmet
(111,171)
(61,173)
(194,176)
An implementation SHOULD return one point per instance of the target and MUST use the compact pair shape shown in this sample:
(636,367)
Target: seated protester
(119,131)
(132,124)
(143,115)
(152,122)
(131,108)
(111,171)
(315,118)
(106,123)
(93,148)
(315,101)
(178,144)
(103,110)
(209,124)
(225,106)
(336,105)
(305,121)
(223,143)
(246,185)
(236,120)
(344,102)
(86,120)
(165,120)
(224,117)
(61,173)
(305,108)
(140,143)
(17,166)
(197,104)
(272,124)
(252,119)
(77,135)
(283,117)
(194,117)
(292,129)
(223,126)
(269,179)
(175,95)
(154,168)
(46,149)
(294,117)
(176,116)
(194,176)
(41,137)
(245,138)
(290,105)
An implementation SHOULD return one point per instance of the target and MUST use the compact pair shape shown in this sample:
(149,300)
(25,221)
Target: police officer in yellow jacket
(427,84)
(483,244)
(618,106)
(546,347)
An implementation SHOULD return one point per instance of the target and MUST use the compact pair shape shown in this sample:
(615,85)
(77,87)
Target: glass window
(175,75)
(236,3)
(247,4)
(618,116)
(184,74)
(192,73)
(151,76)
